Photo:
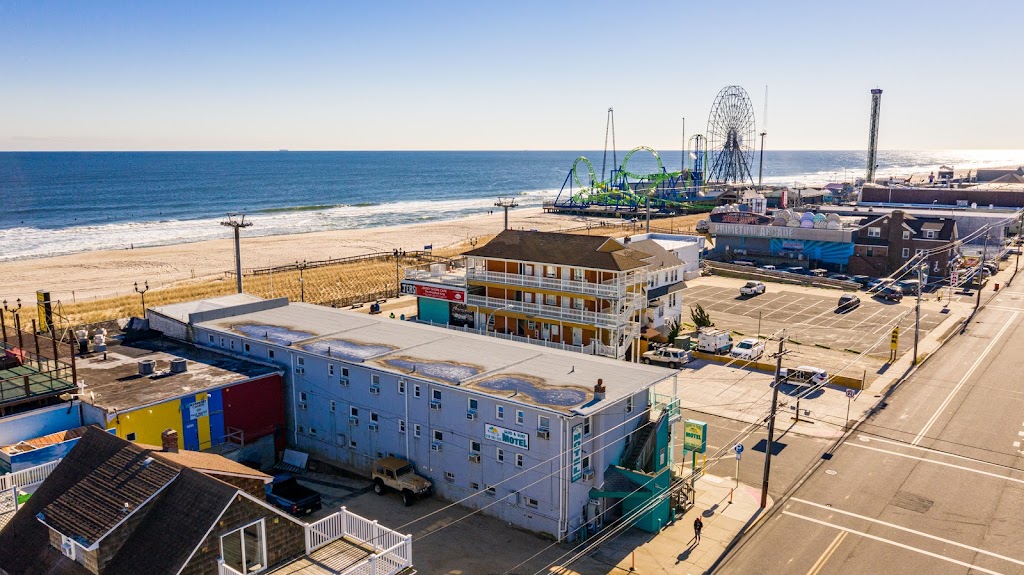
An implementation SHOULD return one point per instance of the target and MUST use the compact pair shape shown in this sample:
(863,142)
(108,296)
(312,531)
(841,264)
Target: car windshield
(403,470)
(745,345)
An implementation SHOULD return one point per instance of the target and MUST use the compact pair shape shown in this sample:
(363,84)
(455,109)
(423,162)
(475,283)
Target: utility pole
(979,274)
(236,224)
(1020,232)
(398,282)
(771,421)
(764,132)
(506,203)
(647,199)
(682,149)
(302,284)
(917,309)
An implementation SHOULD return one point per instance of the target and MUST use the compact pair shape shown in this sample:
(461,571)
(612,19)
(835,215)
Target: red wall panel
(257,408)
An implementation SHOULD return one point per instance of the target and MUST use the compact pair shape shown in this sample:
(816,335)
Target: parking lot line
(798,300)
(878,311)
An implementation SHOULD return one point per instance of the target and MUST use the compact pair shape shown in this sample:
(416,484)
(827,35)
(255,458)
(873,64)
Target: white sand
(107,273)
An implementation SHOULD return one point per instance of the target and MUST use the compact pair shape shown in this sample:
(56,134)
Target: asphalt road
(933,483)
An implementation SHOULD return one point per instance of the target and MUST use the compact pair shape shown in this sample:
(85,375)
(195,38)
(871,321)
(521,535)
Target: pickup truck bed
(288,494)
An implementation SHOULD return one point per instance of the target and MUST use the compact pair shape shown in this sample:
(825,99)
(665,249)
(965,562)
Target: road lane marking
(828,553)
(908,530)
(891,542)
(963,380)
(978,471)
(935,451)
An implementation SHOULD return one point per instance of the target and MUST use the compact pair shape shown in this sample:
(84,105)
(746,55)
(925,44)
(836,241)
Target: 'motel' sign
(695,435)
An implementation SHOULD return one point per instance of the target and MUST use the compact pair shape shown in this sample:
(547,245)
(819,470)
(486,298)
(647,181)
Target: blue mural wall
(831,252)
(38,422)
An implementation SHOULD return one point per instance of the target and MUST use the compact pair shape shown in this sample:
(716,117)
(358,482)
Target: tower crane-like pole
(237,221)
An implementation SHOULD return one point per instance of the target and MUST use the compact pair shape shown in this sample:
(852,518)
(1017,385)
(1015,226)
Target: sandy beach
(90,275)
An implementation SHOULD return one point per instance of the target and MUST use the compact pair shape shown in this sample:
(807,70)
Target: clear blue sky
(149,75)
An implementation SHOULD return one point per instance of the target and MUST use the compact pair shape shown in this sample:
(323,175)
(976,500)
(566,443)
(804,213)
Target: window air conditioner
(435,446)
(375,389)
(435,404)
(474,457)
(374,426)
(343,381)
(544,434)
(300,371)
(588,474)
(302,406)
(353,420)
(471,414)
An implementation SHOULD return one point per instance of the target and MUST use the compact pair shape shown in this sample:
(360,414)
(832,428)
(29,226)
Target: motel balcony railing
(610,289)
(580,316)
(392,551)
(426,276)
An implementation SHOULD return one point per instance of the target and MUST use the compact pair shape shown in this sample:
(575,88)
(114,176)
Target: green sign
(695,436)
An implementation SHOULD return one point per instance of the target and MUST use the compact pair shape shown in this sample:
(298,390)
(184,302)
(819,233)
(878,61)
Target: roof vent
(179,365)
(147,367)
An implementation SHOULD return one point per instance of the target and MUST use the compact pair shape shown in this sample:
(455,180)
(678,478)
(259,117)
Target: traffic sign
(851,393)
(738,448)
(894,339)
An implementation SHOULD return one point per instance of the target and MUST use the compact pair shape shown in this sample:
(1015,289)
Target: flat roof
(181,311)
(114,383)
(868,210)
(558,380)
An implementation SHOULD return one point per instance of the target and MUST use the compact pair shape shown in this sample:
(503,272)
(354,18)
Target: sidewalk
(674,550)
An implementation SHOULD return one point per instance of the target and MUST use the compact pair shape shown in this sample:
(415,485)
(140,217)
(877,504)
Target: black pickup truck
(286,493)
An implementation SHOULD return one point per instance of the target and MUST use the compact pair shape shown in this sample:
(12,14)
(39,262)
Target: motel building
(589,294)
(540,430)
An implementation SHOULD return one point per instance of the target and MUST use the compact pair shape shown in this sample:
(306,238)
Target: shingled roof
(593,252)
(84,498)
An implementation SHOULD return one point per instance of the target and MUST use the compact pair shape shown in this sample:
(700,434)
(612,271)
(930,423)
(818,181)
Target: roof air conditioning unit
(147,367)
(179,365)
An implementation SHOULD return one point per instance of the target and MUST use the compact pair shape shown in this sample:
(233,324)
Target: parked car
(848,302)
(398,474)
(286,493)
(711,340)
(752,288)
(908,287)
(862,280)
(819,272)
(840,277)
(796,270)
(875,283)
(769,268)
(746,263)
(670,356)
(803,375)
(889,294)
(750,348)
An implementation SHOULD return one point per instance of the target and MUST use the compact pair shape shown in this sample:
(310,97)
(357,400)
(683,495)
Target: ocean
(68,202)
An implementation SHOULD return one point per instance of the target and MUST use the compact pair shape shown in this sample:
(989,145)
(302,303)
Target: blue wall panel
(215,401)
(191,427)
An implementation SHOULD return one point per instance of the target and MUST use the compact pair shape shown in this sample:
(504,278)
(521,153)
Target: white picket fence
(225,569)
(27,477)
(392,551)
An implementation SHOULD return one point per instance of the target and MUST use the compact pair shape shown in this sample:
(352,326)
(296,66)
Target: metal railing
(458,280)
(392,551)
(27,477)
(609,289)
(581,316)
(225,569)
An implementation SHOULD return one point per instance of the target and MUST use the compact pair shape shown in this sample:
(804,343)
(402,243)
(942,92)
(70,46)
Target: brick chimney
(599,390)
(170,440)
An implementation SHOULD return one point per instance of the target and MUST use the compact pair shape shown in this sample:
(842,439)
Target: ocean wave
(312,208)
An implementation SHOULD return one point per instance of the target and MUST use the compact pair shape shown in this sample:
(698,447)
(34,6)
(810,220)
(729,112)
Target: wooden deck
(328,560)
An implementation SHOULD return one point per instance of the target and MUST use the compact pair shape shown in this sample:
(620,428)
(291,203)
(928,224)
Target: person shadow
(686,554)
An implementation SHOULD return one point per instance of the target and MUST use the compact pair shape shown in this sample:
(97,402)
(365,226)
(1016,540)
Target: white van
(803,375)
(711,340)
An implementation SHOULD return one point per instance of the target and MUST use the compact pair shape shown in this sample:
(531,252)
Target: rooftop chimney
(170,440)
(599,390)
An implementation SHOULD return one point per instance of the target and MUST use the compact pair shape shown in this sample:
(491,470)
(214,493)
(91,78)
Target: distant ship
(283,150)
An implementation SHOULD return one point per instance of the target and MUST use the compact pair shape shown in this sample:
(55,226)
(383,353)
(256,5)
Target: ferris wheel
(730,137)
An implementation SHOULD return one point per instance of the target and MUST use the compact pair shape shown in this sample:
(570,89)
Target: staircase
(641,447)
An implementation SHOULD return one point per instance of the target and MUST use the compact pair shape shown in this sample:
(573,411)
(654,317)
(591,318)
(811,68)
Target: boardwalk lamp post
(17,322)
(302,286)
(142,292)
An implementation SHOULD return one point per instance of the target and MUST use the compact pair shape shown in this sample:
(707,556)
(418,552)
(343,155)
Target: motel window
(577,303)
(130,436)
(499,455)
(312,431)
(585,463)
(416,430)
(629,404)
(401,387)
(211,338)
(334,406)
(373,416)
(586,426)
(353,411)
(246,347)
(918,252)
(435,394)
(375,379)
(554,330)
(401,426)
(474,485)
(352,443)
(499,411)
(438,435)
(929,234)
(906,252)
(906,234)
(874,232)
(550,299)
(577,274)
(519,460)
(449,476)
(330,370)
(472,404)
(520,417)
(531,502)
(543,422)
(344,372)
(302,396)
(550,271)
(474,446)
(416,390)
(270,353)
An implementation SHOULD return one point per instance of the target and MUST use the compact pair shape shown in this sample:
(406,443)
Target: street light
(17,322)
(142,292)
(491,316)
(302,286)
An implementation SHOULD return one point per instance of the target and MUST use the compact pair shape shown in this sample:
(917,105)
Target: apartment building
(884,243)
(523,431)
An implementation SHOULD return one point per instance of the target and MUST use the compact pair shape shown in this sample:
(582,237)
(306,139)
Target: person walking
(697,526)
